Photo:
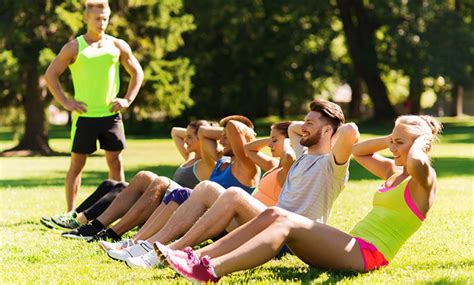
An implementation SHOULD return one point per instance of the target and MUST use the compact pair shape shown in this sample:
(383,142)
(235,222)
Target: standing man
(94,59)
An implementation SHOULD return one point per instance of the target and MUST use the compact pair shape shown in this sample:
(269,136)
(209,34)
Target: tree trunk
(360,36)
(414,98)
(263,103)
(458,96)
(281,103)
(356,100)
(35,138)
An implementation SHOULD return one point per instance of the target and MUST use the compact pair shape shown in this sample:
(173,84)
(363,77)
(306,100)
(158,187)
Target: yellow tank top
(391,221)
(95,75)
(268,189)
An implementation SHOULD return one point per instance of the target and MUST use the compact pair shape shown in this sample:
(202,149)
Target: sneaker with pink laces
(163,251)
(201,271)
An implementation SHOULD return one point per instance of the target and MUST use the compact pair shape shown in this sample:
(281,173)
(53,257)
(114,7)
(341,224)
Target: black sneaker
(85,232)
(105,234)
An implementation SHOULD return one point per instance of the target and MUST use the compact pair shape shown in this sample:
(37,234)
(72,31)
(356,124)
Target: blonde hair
(102,4)
(422,125)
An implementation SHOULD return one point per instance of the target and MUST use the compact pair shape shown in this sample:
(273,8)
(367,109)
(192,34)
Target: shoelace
(192,258)
(205,261)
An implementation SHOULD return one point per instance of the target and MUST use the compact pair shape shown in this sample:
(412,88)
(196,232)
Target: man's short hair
(102,4)
(330,112)
(244,120)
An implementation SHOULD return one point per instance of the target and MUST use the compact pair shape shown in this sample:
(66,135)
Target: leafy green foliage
(154,40)
(257,57)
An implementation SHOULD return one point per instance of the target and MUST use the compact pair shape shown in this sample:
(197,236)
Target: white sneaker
(122,244)
(146,260)
(135,250)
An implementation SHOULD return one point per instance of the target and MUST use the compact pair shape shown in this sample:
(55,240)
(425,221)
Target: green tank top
(95,75)
(390,223)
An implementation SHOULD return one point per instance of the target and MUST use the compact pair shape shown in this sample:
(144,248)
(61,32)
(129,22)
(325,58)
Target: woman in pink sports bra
(401,205)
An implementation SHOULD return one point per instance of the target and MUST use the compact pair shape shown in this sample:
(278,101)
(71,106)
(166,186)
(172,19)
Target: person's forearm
(55,88)
(295,128)
(370,146)
(257,145)
(348,132)
(208,132)
(134,86)
(178,132)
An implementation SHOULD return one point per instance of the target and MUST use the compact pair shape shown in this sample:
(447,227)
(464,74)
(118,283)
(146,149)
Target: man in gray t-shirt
(323,148)
(313,184)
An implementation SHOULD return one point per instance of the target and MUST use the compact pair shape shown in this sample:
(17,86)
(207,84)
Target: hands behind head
(423,142)
(248,133)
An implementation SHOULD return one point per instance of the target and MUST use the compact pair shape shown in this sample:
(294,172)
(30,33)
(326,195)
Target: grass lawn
(440,252)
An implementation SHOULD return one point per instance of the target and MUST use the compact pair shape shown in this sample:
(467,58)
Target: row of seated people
(307,171)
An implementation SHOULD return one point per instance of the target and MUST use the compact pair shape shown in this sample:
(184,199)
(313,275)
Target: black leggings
(102,197)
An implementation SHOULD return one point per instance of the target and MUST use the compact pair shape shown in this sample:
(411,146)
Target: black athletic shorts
(108,130)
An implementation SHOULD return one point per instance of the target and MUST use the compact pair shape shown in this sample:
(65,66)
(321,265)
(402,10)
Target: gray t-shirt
(312,185)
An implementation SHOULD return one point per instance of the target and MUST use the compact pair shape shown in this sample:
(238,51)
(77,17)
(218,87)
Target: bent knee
(276,213)
(234,194)
(208,186)
(146,174)
(158,184)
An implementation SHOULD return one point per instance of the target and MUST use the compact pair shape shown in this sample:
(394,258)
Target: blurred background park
(263,59)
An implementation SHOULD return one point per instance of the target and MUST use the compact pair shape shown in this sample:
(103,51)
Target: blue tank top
(225,178)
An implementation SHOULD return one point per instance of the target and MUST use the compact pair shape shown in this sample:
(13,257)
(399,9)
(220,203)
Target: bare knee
(203,185)
(233,195)
(114,161)
(276,214)
(144,177)
(76,166)
(158,185)
(207,192)
(207,187)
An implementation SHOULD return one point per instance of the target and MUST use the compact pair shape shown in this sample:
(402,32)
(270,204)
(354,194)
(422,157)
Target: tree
(359,29)
(41,29)
(257,57)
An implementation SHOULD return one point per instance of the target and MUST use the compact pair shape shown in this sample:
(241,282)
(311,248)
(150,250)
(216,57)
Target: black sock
(112,234)
(98,225)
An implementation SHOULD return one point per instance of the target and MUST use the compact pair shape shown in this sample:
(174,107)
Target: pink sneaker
(163,251)
(191,256)
(200,271)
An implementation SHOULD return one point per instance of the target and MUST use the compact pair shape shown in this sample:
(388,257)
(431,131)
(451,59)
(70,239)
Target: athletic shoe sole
(48,223)
(86,238)
(161,255)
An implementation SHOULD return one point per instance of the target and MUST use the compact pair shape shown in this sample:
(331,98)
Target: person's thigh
(112,134)
(323,246)
(84,135)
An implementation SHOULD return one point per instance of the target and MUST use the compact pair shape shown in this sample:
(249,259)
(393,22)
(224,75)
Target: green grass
(440,252)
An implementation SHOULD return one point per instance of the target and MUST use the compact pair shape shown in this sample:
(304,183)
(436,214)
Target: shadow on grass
(89,178)
(21,223)
(303,275)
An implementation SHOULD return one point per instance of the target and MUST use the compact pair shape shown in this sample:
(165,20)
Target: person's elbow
(138,74)
(49,76)
(350,133)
